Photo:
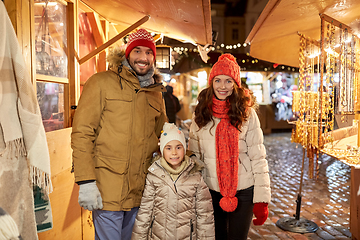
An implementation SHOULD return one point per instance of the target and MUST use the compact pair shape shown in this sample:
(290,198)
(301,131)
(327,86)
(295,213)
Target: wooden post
(355,176)
(74,67)
(21,15)
(355,203)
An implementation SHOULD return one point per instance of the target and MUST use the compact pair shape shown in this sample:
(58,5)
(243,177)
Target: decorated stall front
(64,42)
(322,38)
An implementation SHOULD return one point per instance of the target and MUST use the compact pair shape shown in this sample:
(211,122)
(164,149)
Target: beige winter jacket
(253,167)
(175,210)
(115,132)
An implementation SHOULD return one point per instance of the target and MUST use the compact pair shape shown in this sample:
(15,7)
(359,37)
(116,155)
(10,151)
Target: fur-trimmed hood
(115,58)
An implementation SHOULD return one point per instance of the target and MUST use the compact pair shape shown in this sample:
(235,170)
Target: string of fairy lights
(180,50)
(222,47)
(212,48)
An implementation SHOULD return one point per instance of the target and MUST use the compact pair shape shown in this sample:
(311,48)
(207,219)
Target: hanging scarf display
(20,118)
(227,154)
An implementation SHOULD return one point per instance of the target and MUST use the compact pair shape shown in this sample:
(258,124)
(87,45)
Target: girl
(176,202)
(226,135)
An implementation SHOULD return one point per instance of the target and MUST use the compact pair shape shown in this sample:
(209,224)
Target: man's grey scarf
(145,80)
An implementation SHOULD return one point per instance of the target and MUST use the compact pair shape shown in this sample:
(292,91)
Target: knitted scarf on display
(20,117)
(227,154)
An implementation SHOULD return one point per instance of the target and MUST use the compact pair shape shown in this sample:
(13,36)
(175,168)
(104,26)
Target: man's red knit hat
(140,38)
(226,65)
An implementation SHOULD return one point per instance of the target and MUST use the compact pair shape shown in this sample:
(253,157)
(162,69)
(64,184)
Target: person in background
(226,135)
(115,132)
(176,203)
(172,104)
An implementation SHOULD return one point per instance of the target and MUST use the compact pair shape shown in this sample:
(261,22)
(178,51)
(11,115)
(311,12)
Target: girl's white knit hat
(171,132)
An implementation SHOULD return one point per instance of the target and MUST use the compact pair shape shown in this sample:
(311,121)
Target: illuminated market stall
(322,39)
(63,43)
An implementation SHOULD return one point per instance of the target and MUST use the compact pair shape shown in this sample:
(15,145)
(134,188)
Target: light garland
(182,50)
(220,46)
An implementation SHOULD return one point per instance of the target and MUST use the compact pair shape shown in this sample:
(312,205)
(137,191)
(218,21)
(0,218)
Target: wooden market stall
(64,42)
(322,39)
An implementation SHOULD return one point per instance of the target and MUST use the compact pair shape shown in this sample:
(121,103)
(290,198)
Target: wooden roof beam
(114,39)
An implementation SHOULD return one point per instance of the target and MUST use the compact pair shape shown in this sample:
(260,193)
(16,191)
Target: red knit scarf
(227,154)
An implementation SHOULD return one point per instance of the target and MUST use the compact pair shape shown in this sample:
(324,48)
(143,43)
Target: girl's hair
(238,104)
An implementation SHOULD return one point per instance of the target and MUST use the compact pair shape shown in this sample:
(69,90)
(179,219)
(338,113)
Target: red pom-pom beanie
(140,38)
(226,65)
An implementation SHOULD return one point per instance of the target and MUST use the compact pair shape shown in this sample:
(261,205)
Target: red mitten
(261,213)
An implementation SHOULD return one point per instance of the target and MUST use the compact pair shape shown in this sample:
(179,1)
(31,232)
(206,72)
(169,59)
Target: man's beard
(134,67)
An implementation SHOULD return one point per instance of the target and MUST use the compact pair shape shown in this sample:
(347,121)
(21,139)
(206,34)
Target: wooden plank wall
(66,212)
(70,221)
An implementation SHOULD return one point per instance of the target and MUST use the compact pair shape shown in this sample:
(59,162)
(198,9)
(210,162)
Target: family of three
(135,194)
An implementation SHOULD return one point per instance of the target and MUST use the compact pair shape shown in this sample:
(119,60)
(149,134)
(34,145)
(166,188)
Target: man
(172,104)
(115,131)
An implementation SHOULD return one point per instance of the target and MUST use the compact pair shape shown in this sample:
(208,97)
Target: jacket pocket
(119,96)
(242,163)
(110,174)
(118,103)
(114,165)
(154,103)
(245,164)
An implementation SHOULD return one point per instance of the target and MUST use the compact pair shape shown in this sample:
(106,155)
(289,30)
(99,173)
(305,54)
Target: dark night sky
(233,8)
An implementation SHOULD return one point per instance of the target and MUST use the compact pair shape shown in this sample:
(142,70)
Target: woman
(226,135)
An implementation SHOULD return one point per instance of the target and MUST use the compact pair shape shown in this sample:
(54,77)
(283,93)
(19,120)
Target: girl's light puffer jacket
(175,210)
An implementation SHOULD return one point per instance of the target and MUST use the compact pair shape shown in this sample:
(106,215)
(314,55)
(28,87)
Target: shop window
(51,60)
(51,99)
(50,38)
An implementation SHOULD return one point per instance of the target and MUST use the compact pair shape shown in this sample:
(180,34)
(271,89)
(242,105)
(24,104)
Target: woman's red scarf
(227,155)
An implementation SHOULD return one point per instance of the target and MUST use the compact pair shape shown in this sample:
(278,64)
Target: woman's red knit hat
(226,65)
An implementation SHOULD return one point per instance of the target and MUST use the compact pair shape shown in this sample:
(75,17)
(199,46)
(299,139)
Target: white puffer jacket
(253,167)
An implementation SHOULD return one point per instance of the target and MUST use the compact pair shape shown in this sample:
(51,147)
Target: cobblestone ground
(325,201)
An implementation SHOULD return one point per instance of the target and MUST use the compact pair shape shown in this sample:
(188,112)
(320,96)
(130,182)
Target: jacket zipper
(166,172)
(170,176)
(191,229)
(130,140)
(151,225)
